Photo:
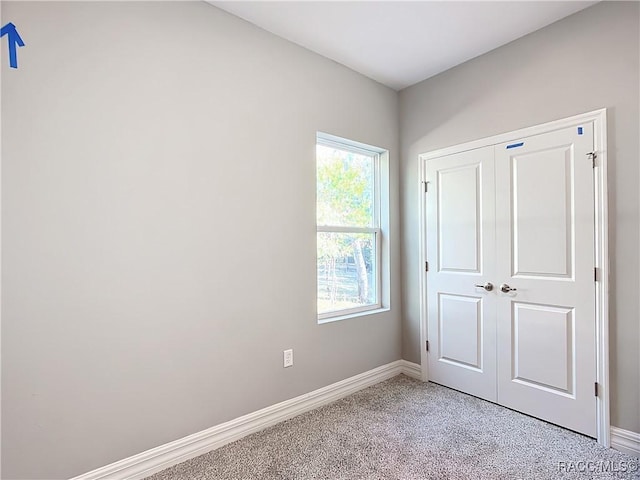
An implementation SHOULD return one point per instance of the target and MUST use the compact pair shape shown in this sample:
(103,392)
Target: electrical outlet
(288,358)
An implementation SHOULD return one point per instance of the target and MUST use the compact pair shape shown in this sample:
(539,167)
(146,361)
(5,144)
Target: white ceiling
(401,43)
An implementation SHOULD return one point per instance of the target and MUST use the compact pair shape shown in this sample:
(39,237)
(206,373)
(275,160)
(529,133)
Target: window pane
(345,188)
(346,271)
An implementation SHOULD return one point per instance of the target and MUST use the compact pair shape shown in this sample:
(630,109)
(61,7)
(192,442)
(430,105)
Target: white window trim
(374,152)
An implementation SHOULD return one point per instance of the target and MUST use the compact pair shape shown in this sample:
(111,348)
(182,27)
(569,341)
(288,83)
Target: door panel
(460,330)
(541,189)
(458,218)
(535,325)
(545,242)
(461,249)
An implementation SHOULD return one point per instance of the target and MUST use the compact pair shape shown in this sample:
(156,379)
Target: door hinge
(593,156)
(426,266)
(426,186)
(595,390)
(595,274)
(427,345)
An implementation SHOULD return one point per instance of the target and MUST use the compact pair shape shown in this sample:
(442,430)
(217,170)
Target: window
(349,237)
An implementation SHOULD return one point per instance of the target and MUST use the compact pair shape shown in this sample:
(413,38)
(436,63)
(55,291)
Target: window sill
(339,318)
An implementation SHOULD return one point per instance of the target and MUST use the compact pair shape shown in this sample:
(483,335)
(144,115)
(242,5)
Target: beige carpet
(405,429)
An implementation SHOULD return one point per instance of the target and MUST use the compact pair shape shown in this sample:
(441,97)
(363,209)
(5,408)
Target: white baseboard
(411,369)
(626,441)
(147,463)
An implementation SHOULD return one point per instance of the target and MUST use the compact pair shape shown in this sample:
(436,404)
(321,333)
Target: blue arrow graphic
(14,39)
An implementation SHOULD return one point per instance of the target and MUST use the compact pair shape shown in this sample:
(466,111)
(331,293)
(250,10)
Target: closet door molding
(598,119)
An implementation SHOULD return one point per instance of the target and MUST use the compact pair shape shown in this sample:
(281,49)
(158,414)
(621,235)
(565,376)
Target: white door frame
(601,227)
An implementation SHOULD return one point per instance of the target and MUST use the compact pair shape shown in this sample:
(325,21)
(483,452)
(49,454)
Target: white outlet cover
(288,358)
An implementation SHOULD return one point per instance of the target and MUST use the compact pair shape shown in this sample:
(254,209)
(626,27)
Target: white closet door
(545,243)
(461,253)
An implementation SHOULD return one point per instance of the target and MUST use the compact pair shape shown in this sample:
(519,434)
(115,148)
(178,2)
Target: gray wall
(582,63)
(158,228)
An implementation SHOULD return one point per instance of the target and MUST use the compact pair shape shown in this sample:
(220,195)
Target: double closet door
(510,284)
